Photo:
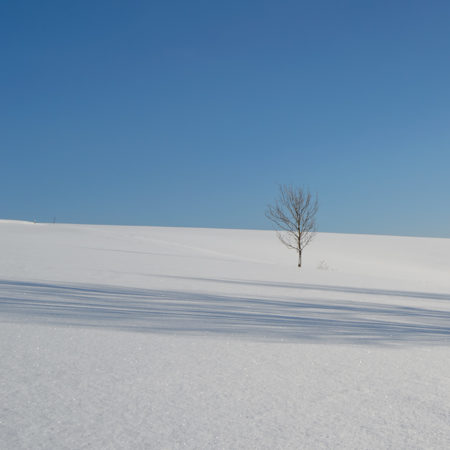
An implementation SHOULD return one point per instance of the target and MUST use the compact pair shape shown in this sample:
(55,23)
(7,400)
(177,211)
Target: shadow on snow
(164,311)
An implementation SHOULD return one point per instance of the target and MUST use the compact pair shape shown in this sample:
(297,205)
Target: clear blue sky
(190,113)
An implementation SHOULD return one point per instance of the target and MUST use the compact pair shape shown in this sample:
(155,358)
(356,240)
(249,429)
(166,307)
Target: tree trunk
(299,258)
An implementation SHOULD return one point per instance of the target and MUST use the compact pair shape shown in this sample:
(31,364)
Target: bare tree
(294,215)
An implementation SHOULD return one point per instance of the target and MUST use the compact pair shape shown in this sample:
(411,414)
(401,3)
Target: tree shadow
(315,287)
(168,311)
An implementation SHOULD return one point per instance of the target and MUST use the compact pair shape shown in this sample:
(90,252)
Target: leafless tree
(294,215)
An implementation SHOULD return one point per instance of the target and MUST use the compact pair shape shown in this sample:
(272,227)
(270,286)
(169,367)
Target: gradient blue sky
(191,113)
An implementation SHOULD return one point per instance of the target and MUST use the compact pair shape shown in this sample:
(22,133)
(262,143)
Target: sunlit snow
(150,338)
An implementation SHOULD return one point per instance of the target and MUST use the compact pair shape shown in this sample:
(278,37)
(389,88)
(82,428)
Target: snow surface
(147,337)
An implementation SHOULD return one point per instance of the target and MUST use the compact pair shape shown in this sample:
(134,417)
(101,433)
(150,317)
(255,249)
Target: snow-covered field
(166,338)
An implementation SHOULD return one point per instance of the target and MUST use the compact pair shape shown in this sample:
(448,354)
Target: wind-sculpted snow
(295,317)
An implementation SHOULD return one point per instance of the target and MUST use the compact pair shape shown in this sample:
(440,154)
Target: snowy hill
(149,337)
